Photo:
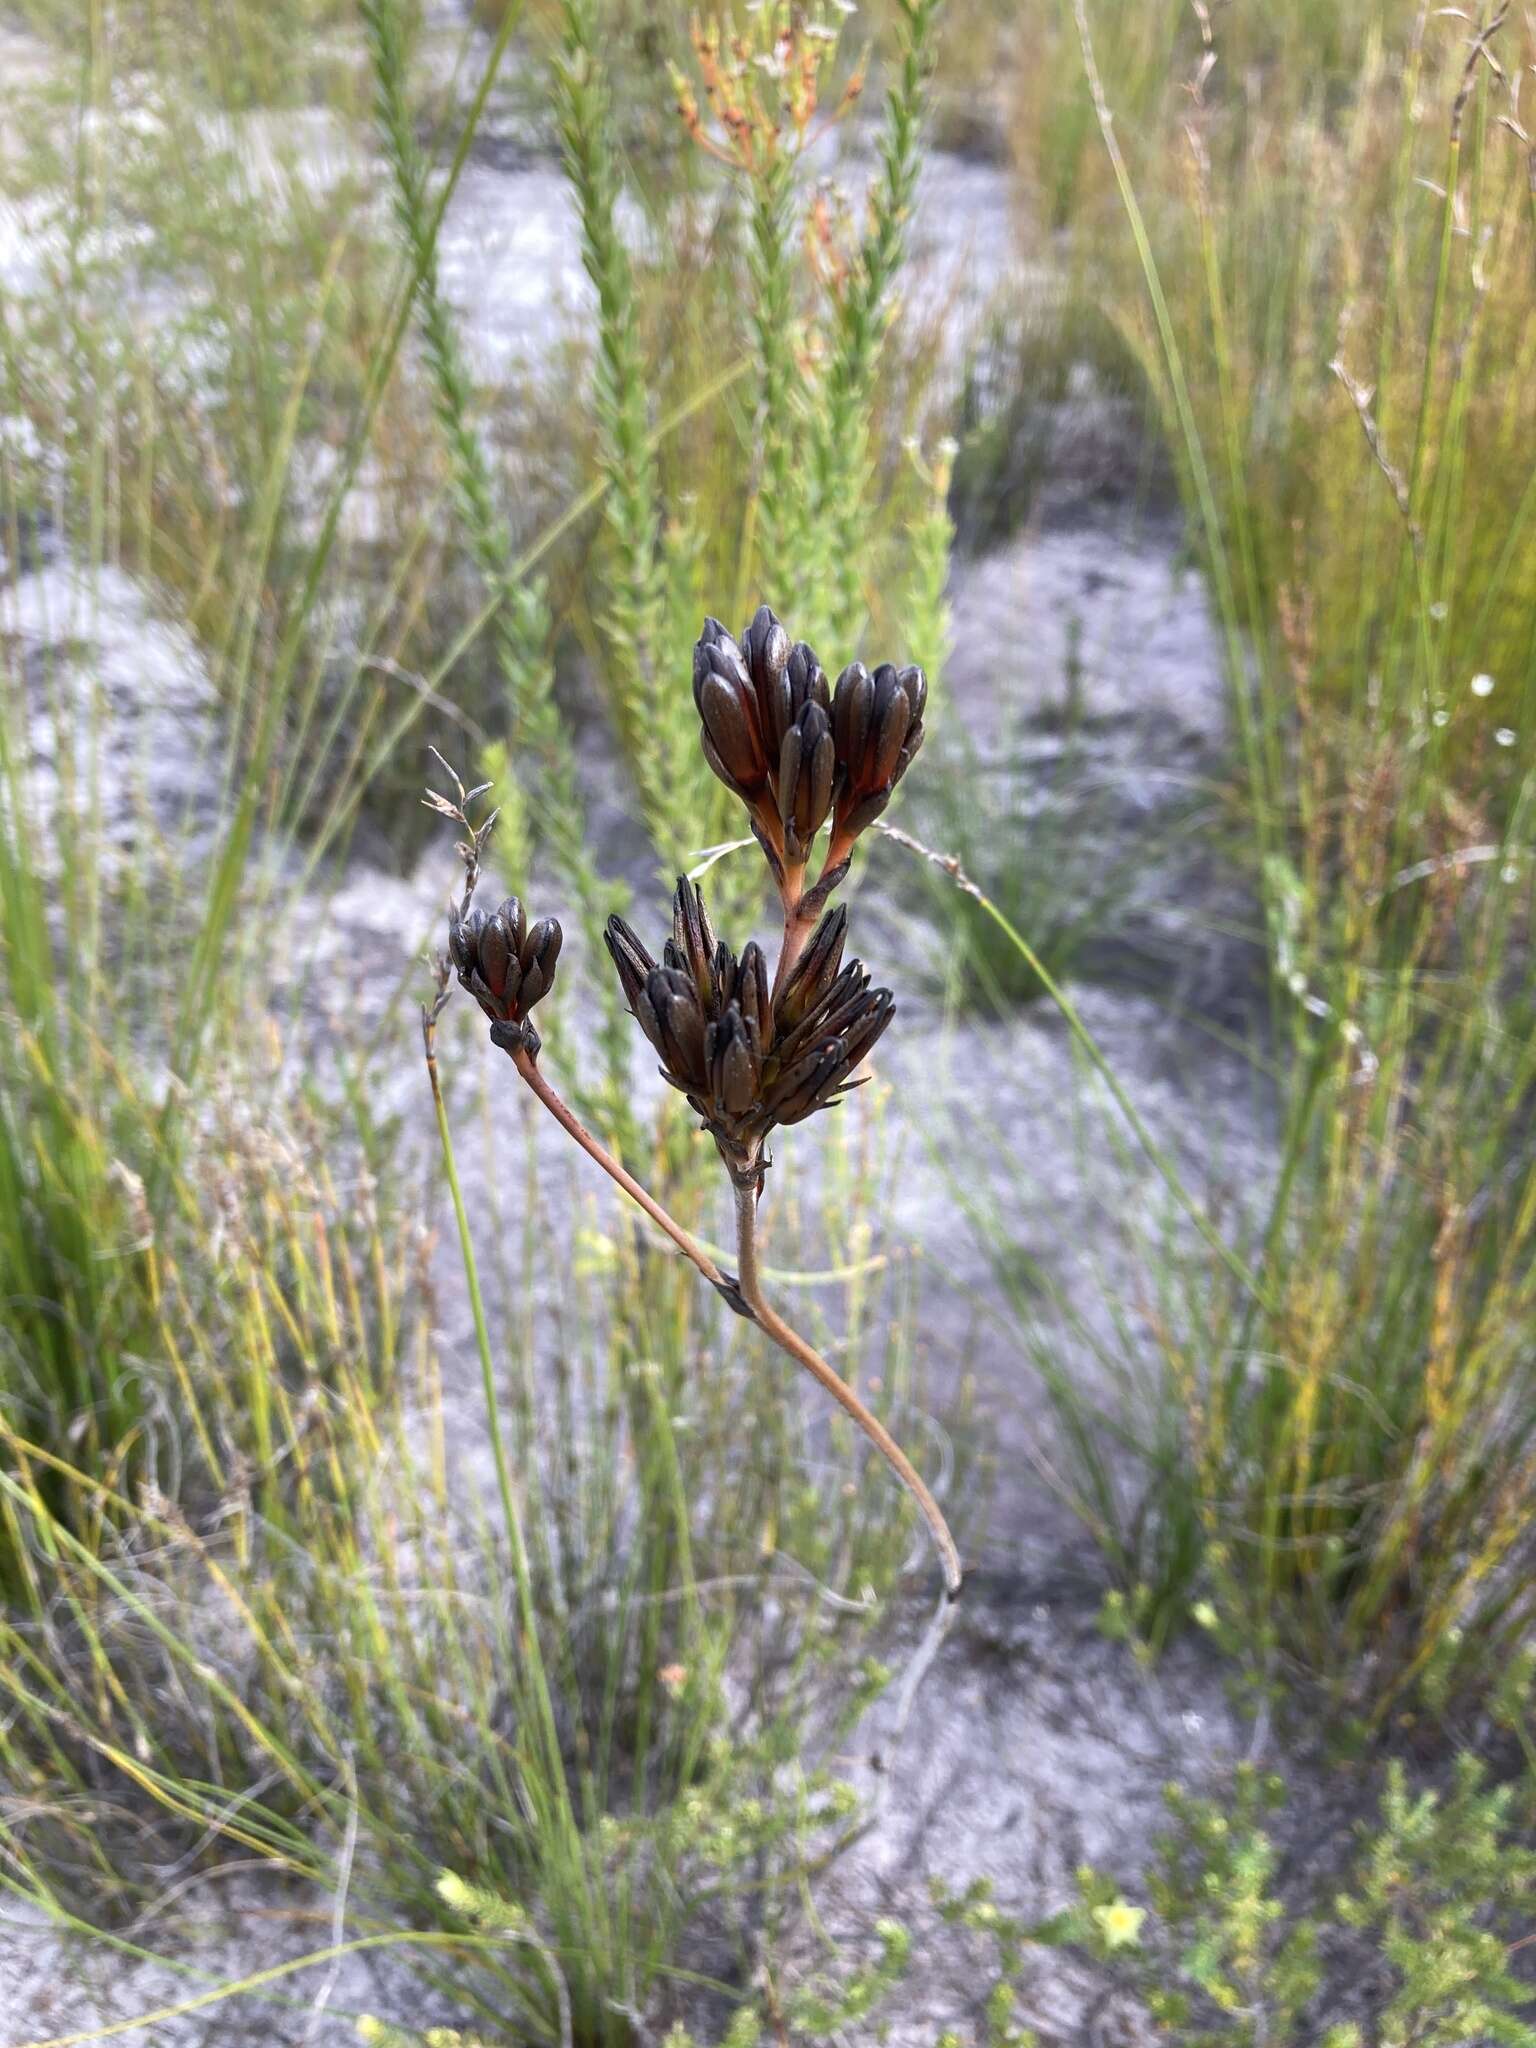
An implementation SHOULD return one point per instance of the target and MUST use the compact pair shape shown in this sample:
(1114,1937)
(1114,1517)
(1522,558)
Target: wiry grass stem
(513,1518)
(840,452)
(1252,1284)
(521,622)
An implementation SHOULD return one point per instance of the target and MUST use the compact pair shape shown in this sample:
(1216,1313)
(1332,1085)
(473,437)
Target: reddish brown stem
(789,1340)
(803,908)
(797,931)
(724,1283)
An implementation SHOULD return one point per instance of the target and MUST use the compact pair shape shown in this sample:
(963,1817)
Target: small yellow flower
(1120,1924)
(455,1893)
(1205,1614)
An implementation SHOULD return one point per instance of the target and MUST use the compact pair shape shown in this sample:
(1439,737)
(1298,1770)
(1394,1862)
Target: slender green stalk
(1266,824)
(521,621)
(511,1515)
(635,617)
(840,446)
(779,508)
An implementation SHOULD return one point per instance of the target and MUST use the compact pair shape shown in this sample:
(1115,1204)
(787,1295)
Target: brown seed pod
(807,761)
(733,1066)
(753,993)
(629,957)
(693,937)
(766,651)
(877,726)
(541,949)
(728,711)
(833,1012)
(814,972)
(825,1069)
(672,1018)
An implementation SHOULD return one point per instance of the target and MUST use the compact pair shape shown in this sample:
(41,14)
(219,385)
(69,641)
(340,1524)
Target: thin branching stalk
(744,1293)
(789,1340)
(528,1067)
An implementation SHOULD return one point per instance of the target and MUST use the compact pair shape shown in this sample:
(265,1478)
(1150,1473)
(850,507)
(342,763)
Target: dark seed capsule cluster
(746,1061)
(507,965)
(795,752)
(749,1048)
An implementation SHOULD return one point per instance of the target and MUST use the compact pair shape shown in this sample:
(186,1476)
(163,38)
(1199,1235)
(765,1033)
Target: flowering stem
(566,1117)
(797,930)
(803,907)
(789,1340)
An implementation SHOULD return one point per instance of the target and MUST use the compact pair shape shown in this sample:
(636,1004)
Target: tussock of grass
(1351,1468)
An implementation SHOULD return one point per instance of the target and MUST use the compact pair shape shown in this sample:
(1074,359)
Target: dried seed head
(797,754)
(506,966)
(766,710)
(762,704)
(744,1062)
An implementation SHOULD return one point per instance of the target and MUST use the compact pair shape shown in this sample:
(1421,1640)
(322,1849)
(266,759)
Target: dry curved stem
(774,1326)
(744,1293)
(724,1284)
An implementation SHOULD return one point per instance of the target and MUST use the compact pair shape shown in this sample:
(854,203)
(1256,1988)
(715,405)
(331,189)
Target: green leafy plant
(1420,1938)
